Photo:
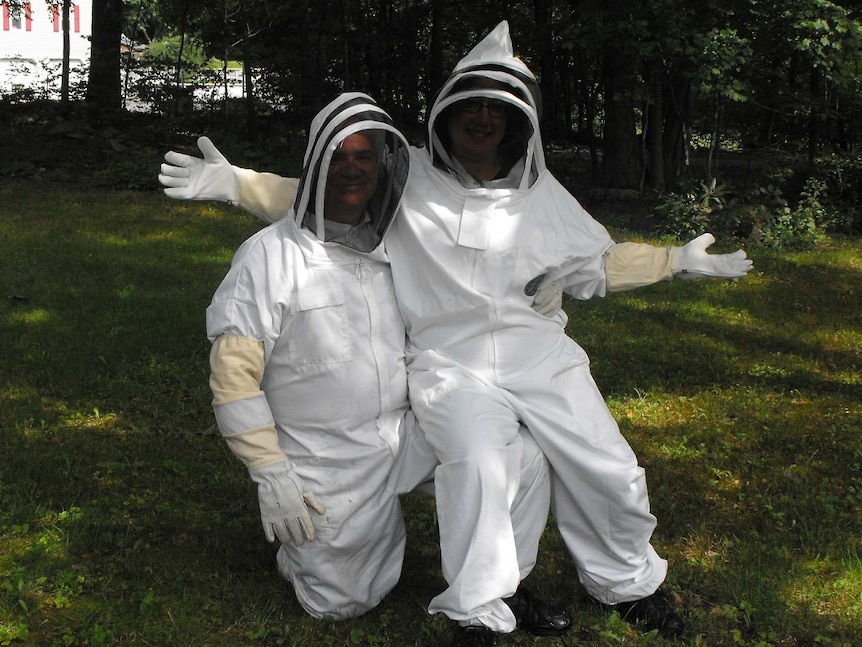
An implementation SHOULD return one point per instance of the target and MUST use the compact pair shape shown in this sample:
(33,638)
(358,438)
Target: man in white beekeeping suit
(309,379)
(483,225)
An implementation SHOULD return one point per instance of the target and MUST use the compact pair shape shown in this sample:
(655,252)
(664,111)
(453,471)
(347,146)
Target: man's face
(351,181)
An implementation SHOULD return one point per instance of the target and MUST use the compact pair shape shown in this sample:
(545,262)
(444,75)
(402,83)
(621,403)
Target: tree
(103,85)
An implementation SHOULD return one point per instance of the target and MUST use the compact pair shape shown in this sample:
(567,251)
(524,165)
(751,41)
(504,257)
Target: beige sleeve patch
(634,265)
(266,195)
(236,368)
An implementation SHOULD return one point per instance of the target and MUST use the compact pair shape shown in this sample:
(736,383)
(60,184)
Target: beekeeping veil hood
(512,82)
(348,114)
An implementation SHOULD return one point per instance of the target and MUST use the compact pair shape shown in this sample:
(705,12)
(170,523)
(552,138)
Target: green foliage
(698,207)
(763,216)
(725,53)
(779,226)
(166,53)
(841,177)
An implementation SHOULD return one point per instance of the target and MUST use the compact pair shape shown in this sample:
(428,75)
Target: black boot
(651,612)
(536,617)
(474,636)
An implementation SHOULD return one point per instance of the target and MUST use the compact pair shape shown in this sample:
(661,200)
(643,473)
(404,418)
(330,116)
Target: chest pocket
(317,328)
(486,248)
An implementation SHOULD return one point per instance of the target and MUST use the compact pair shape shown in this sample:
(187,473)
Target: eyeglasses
(474,106)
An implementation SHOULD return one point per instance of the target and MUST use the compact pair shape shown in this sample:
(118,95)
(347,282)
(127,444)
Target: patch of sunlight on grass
(94,420)
(34,316)
(661,410)
(707,553)
(111,239)
(711,309)
(47,536)
(829,586)
(841,339)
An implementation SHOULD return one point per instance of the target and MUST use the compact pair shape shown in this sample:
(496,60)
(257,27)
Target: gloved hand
(284,504)
(193,178)
(692,261)
(548,300)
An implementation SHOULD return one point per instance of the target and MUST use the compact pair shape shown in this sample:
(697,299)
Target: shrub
(763,215)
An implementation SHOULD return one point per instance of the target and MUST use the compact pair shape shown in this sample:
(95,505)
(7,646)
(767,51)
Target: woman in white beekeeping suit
(483,224)
(309,380)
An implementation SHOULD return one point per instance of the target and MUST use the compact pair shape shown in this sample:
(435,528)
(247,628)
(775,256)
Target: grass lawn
(124,520)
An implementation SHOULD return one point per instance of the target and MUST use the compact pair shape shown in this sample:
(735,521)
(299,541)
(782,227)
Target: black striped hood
(348,114)
(493,59)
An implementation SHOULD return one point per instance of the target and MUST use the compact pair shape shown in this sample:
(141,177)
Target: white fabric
(481,360)
(328,321)
(692,261)
(333,344)
(192,178)
(530,336)
(284,502)
(465,261)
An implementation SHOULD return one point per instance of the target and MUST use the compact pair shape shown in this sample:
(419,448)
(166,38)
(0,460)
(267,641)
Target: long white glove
(192,178)
(692,261)
(548,300)
(284,504)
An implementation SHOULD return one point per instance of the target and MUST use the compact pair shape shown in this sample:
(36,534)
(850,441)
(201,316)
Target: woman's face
(476,128)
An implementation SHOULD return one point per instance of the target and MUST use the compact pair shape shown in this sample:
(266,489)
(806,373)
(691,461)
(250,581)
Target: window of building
(16,22)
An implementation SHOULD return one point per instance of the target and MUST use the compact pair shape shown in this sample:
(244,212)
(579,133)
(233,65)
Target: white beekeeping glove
(192,178)
(284,504)
(692,261)
(548,300)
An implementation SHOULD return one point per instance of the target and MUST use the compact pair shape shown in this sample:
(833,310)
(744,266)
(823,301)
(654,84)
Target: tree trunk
(620,164)
(815,116)
(547,79)
(250,110)
(435,51)
(103,84)
(679,103)
(654,129)
(64,76)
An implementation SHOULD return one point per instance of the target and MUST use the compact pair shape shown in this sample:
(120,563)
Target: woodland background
(742,116)
(124,520)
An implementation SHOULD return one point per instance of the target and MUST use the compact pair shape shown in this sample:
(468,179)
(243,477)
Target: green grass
(124,519)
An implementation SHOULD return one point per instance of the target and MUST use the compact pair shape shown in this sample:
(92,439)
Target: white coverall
(467,259)
(319,324)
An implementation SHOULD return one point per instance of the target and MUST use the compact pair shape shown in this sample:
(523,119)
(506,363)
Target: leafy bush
(763,216)
(842,178)
(165,52)
(778,226)
(698,207)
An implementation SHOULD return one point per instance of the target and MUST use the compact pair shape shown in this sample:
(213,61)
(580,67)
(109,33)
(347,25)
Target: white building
(31,45)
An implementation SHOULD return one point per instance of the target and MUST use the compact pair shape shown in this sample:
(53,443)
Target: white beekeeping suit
(309,379)
(308,375)
(467,257)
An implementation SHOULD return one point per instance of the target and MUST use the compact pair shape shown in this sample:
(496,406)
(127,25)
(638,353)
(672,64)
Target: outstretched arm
(633,265)
(264,195)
